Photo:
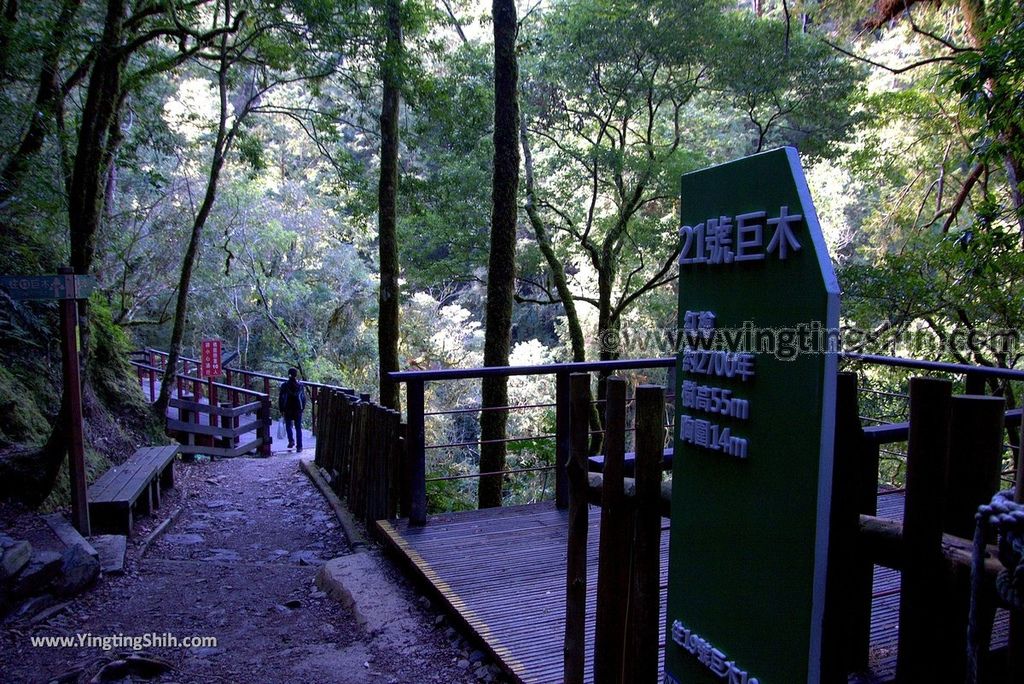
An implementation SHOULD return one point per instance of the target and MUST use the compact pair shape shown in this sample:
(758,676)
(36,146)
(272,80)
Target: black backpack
(291,397)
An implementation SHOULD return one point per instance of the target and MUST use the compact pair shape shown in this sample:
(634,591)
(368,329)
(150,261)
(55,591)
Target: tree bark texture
(387,194)
(225,138)
(501,265)
(85,195)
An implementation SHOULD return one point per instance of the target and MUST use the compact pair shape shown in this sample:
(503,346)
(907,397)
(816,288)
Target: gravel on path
(238,564)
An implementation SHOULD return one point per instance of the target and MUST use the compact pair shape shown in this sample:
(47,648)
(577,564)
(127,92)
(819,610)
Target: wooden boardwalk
(502,573)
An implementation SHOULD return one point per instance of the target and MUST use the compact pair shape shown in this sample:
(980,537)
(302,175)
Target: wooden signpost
(68,288)
(758,311)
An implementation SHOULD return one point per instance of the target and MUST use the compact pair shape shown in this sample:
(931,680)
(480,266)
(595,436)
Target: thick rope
(1006,517)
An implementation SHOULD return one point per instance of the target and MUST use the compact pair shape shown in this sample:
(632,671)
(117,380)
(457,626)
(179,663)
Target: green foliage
(791,88)
(111,376)
(22,420)
(445,197)
(990,82)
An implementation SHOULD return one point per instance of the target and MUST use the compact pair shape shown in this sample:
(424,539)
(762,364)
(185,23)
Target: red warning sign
(211,359)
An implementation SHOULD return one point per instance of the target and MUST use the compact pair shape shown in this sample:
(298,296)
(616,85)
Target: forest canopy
(217,166)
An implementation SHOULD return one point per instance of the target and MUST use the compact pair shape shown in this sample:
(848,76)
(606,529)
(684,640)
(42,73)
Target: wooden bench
(161,458)
(136,483)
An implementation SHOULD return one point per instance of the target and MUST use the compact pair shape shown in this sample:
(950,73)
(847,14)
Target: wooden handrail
(415,381)
(898,432)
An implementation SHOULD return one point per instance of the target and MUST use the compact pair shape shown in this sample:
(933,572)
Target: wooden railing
(628,594)
(360,450)
(954,459)
(220,425)
(886,433)
(416,443)
(954,464)
(154,361)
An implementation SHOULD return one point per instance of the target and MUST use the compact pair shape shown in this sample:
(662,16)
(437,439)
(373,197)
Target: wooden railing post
(642,624)
(402,475)
(320,450)
(975,460)
(922,585)
(416,452)
(847,631)
(974,384)
(563,441)
(1015,647)
(268,420)
(263,431)
(616,519)
(394,456)
(314,401)
(574,647)
(360,447)
(341,438)
(211,393)
(972,478)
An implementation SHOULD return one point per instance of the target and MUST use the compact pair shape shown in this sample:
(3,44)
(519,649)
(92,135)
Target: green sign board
(48,286)
(755,403)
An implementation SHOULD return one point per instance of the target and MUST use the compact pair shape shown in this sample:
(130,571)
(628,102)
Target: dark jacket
(292,399)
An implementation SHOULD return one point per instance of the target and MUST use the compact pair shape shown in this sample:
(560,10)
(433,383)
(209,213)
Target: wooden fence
(628,593)
(359,446)
(954,465)
(230,422)
(234,377)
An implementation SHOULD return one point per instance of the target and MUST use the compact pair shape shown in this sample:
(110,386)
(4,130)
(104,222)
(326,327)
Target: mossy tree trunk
(387,195)
(85,202)
(501,265)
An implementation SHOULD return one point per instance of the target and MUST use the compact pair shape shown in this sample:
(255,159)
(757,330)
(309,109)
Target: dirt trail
(238,563)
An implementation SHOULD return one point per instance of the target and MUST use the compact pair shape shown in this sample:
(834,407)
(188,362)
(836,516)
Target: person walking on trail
(291,401)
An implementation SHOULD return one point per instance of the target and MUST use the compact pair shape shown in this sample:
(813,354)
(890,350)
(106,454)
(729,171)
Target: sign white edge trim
(828,398)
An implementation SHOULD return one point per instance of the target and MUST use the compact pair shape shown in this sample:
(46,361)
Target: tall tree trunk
(225,137)
(501,265)
(387,190)
(85,197)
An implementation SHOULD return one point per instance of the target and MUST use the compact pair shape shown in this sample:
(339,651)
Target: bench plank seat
(162,458)
(136,483)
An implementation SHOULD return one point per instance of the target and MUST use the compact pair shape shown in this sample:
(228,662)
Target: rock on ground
(78,570)
(43,568)
(15,557)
